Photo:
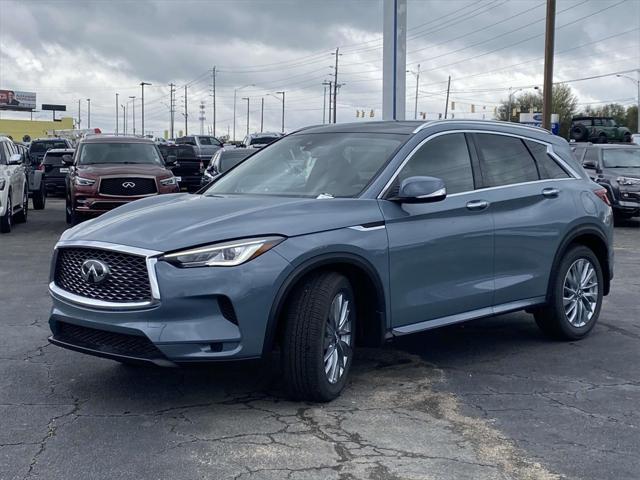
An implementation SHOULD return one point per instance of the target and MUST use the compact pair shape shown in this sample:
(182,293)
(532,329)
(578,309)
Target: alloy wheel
(580,292)
(337,339)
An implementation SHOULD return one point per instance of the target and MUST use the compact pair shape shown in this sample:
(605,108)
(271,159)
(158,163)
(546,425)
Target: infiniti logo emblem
(94,271)
(128,185)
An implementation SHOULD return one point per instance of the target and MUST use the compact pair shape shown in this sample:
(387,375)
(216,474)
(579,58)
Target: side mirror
(171,160)
(15,159)
(589,164)
(420,190)
(67,159)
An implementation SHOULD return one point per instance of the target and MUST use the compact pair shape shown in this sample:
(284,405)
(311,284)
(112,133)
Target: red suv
(108,171)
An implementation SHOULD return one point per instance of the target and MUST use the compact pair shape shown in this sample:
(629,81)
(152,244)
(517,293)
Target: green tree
(563,102)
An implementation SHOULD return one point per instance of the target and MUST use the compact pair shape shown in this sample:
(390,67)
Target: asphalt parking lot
(485,400)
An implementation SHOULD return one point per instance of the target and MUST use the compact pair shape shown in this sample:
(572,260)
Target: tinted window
(547,166)
(123,153)
(53,159)
(230,159)
(598,122)
(185,151)
(43,146)
(445,157)
(262,140)
(504,160)
(621,158)
(586,123)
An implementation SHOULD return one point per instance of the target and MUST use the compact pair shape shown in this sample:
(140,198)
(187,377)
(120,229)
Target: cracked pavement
(491,399)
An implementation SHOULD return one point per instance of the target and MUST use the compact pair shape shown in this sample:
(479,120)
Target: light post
(142,84)
(124,119)
(282,100)
(247,99)
(637,82)
(88,113)
(417,74)
(235,95)
(117,114)
(133,101)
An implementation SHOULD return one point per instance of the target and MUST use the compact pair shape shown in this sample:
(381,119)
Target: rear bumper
(54,184)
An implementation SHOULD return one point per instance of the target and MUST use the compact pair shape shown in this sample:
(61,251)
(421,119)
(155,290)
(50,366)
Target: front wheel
(626,138)
(5,220)
(317,348)
(576,296)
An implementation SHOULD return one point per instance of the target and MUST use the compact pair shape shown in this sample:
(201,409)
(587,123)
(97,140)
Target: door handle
(477,205)
(550,192)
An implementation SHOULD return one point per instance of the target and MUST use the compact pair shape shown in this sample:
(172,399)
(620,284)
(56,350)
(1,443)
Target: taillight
(41,167)
(603,195)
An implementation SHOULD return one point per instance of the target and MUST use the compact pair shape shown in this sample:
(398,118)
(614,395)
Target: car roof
(60,150)
(116,139)
(49,139)
(237,151)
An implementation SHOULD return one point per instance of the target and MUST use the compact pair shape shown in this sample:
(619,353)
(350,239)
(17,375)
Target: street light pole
(117,114)
(235,95)
(247,99)
(88,113)
(637,82)
(549,41)
(124,119)
(261,114)
(282,93)
(133,101)
(417,74)
(142,84)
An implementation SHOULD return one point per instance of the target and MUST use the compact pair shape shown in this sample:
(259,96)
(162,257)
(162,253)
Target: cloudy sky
(70,50)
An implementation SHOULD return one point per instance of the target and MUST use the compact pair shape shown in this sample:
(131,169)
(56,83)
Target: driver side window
(445,157)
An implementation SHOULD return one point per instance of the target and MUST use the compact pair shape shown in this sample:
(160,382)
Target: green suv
(598,129)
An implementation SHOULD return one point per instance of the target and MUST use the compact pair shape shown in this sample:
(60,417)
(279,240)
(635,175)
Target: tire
(579,133)
(6,219)
(73,217)
(21,216)
(602,138)
(555,319)
(40,197)
(626,138)
(309,337)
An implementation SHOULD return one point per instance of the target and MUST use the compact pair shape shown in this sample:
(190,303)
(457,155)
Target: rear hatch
(54,167)
(189,164)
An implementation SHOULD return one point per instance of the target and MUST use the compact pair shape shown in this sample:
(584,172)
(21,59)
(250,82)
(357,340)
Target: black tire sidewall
(566,329)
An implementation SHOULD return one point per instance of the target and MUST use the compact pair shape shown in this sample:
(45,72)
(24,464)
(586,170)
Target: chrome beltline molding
(150,258)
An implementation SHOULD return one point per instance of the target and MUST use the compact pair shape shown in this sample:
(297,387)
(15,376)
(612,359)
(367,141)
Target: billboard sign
(16,100)
(535,119)
(56,108)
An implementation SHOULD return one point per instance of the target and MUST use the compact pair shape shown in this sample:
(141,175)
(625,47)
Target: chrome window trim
(151,258)
(573,174)
(481,122)
(361,228)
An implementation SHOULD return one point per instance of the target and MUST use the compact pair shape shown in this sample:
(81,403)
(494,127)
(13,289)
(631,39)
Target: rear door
(532,204)
(440,254)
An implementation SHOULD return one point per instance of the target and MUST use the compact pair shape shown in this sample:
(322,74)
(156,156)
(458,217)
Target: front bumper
(201,314)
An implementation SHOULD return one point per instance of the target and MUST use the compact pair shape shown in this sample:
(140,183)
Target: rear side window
(547,166)
(445,157)
(504,160)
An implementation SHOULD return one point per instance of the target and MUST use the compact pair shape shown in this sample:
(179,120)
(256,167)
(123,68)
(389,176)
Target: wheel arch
(595,240)
(365,281)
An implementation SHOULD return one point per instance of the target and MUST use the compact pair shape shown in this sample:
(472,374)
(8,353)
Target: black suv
(56,170)
(617,168)
(189,167)
(40,146)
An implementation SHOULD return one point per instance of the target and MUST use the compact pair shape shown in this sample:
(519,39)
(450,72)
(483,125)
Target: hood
(623,172)
(126,170)
(174,221)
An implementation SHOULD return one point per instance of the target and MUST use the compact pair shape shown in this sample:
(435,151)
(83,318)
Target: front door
(440,254)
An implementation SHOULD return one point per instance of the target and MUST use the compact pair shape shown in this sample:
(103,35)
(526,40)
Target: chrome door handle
(477,205)
(550,192)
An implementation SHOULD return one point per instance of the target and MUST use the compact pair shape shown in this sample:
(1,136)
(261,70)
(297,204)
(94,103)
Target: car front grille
(127,282)
(108,342)
(128,186)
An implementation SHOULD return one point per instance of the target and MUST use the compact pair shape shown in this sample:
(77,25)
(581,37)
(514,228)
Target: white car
(14,187)
(635,138)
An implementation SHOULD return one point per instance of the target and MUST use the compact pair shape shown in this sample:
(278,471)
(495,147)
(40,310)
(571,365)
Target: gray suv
(337,236)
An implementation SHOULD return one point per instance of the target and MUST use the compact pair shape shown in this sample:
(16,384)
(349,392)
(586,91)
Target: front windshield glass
(94,153)
(42,147)
(621,157)
(311,165)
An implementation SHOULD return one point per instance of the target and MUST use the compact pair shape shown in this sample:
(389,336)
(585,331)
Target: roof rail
(484,122)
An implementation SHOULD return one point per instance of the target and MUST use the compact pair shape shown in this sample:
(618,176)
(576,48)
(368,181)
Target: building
(34,128)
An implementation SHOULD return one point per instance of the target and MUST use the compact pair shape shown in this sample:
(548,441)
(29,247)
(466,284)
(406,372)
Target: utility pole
(186,113)
(79,119)
(213,94)
(330,101)
(394,59)
(172,108)
(142,84)
(88,113)
(247,99)
(415,110)
(324,102)
(261,114)
(446,105)
(335,85)
(547,88)
(117,113)
(202,118)
(133,101)
(282,93)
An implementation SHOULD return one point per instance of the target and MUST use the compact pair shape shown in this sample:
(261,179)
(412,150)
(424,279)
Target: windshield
(42,147)
(142,153)
(262,140)
(310,165)
(621,158)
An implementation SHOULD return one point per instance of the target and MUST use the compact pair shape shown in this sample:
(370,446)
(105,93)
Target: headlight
(84,182)
(227,254)
(628,181)
(168,181)
(3,182)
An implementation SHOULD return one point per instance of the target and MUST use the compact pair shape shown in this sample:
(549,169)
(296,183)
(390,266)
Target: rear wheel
(318,338)
(6,219)
(40,197)
(626,138)
(576,296)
